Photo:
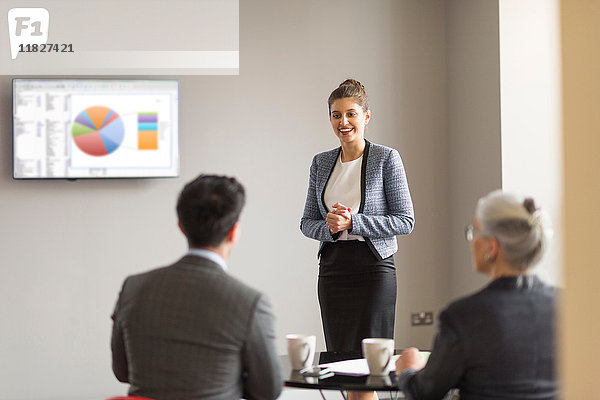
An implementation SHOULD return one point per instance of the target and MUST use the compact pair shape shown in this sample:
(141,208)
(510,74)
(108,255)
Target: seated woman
(498,343)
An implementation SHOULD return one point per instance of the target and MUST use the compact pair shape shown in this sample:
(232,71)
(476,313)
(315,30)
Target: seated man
(498,343)
(190,330)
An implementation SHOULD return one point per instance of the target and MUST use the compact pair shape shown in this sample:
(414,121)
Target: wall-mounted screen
(95,128)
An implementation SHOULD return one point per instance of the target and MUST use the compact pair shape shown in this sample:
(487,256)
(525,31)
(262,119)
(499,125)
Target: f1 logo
(27,26)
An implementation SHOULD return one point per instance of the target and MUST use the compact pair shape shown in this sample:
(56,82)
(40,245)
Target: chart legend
(147,131)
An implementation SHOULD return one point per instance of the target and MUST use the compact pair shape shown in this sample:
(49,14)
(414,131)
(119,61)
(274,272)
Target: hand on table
(339,219)
(410,358)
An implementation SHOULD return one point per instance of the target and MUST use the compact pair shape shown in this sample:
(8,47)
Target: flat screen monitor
(95,128)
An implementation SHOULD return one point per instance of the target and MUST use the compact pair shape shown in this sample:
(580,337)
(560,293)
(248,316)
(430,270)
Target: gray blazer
(496,344)
(386,209)
(192,331)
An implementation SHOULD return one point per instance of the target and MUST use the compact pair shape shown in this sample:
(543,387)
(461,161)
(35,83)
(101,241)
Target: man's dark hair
(208,207)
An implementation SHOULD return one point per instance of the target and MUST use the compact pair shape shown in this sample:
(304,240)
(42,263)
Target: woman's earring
(487,257)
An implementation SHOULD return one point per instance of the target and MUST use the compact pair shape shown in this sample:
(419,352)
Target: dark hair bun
(352,82)
(350,88)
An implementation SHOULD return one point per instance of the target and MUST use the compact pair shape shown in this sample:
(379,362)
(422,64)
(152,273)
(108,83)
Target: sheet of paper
(349,367)
(359,366)
(354,367)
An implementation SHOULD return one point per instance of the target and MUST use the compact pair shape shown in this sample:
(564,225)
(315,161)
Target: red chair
(129,398)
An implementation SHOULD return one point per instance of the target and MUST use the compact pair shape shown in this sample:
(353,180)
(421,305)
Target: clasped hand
(339,219)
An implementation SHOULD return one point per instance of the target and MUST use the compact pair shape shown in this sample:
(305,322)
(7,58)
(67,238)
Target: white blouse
(344,187)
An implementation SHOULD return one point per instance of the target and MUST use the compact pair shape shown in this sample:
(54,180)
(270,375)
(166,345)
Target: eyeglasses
(471,232)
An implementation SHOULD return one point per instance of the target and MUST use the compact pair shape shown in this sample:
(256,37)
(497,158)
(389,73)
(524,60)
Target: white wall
(531,113)
(417,85)
(67,246)
(503,92)
(473,109)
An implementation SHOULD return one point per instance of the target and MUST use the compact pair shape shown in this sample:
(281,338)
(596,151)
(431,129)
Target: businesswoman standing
(357,202)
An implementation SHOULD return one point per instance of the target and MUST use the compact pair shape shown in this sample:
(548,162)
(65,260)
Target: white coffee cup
(301,350)
(378,353)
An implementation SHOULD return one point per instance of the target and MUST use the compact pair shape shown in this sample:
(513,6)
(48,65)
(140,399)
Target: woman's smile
(348,119)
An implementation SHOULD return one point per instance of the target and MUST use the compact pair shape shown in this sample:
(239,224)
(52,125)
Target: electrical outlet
(421,318)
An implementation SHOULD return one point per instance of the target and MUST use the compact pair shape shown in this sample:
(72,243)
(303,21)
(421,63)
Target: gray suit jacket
(386,209)
(192,331)
(496,344)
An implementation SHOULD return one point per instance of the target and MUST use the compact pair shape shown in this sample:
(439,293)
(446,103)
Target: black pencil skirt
(357,295)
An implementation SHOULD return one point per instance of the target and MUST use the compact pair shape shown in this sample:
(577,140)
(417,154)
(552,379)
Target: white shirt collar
(210,255)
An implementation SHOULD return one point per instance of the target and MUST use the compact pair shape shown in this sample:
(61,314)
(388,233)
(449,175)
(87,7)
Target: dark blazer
(192,331)
(386,209)
(498,343)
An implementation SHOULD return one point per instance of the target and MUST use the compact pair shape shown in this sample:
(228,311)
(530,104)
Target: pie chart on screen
(98,131)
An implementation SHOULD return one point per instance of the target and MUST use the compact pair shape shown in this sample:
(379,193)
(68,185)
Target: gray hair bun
(521,228)
(529,205)
(537,218)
